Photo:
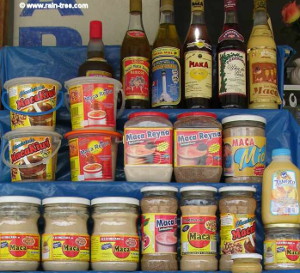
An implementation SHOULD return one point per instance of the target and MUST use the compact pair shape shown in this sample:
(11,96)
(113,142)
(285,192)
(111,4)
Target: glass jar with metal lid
(65,241)
(282,246)
(159,228)
(115,241)
(197,147)
(246,263)
(19,235)
(148,147)
(198,229)
(244,148)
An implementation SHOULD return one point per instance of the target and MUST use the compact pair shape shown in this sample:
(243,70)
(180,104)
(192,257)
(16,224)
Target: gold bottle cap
(167,5)
(260,5)
(136,5)
(197,5)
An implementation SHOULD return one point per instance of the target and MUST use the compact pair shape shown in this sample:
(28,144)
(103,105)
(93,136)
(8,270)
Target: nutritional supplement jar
(197,148)
(115,241)
(19,235)
(237,229)
(282,247)
(244,148)
(246,263)
(65,242)
(148,147)
(159,228)
(198,229)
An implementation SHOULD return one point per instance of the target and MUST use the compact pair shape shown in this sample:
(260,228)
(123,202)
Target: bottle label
(98,73)
(19,247)
(231,34)
(198,74)
(198,235)
(166,76)
(232,72)
(285,200)
(149,146)
(115,248)
(244,156)
(136,78)
(198,147)
(57,247)
(198,5)
(237,233)
(159,233)
(281,252)
(136,34)
(261,31)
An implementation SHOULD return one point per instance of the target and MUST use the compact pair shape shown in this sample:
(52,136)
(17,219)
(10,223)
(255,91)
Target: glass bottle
(135,58)
(197,60)
(231,52)
(95,65)
(166,68)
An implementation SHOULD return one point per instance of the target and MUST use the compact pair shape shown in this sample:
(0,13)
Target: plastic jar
(198,229)
(65,242)
(115,241)
(19,235)
(246,263)
(237,216)
(244,148)
(281,247)
(148,147)
(159,228)
(198,148)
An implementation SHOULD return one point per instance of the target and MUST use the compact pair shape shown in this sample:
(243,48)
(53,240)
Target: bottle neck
(167,17)
(230,17)
(281,158)
(135,21)
(197,18)
(95,49)
(260,13)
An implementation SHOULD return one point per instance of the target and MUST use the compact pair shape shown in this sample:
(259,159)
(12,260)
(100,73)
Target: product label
(285,199)
(198,74)
(198,235)
(232,72)
(91,158)
(244,156)
(32,98)
(115,248)
(56,247)
(19,247)
(98,73)
(148,146)
(159,233)
(281,252)
(136,78)
(136,34)
(198,147)
(198,5)
(237,233)
(166,76)
(231,34)
(92,105)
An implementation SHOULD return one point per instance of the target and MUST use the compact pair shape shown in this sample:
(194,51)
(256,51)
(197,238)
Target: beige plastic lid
(115,200)
(20,199)
(246,256)
(244,118)
(159,188)
(30,80)
(198,188)
(237,188)
(66,200)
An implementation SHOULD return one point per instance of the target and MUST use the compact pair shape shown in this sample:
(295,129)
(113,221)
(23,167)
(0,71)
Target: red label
(136,34)
(231,34)
(230,5)
(265,73)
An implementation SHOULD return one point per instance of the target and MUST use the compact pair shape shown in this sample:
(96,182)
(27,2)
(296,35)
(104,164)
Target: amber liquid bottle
(95,65)
(197,60)
(135,58)
(231,52)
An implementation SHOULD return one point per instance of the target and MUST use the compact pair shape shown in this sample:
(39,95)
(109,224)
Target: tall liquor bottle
(231,52)
(135,57)
(197,60)
(166,69)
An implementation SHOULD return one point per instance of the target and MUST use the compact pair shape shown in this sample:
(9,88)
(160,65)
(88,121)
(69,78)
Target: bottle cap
(95,30)
(230,5)
(197,5)
(136,5)
(167,5)
(281,151)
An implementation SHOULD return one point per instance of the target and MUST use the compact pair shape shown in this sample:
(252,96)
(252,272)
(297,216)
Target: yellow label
(72,247)
(166,51)
(198,5)
(76,107)
(19,247)
(115,248)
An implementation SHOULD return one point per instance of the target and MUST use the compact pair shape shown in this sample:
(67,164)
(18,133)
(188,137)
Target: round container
(115,241)
(32,102)
(246,263)
(159,228)
(31,155)
(282,247)
(198,229)
(148,147)
(93,102)
(244,148)
(65,242)
(198,148)
(93,154)
(237,214)
(19,235)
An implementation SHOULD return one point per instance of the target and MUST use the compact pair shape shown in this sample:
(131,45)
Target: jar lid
(148,113)
(159,188)
(198,188)
(281,151)
(246,256)
(78,133)
(282,225)
(237,188)
(20,199)
(202,114)
(66,200)
(115,200)
(244,118)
